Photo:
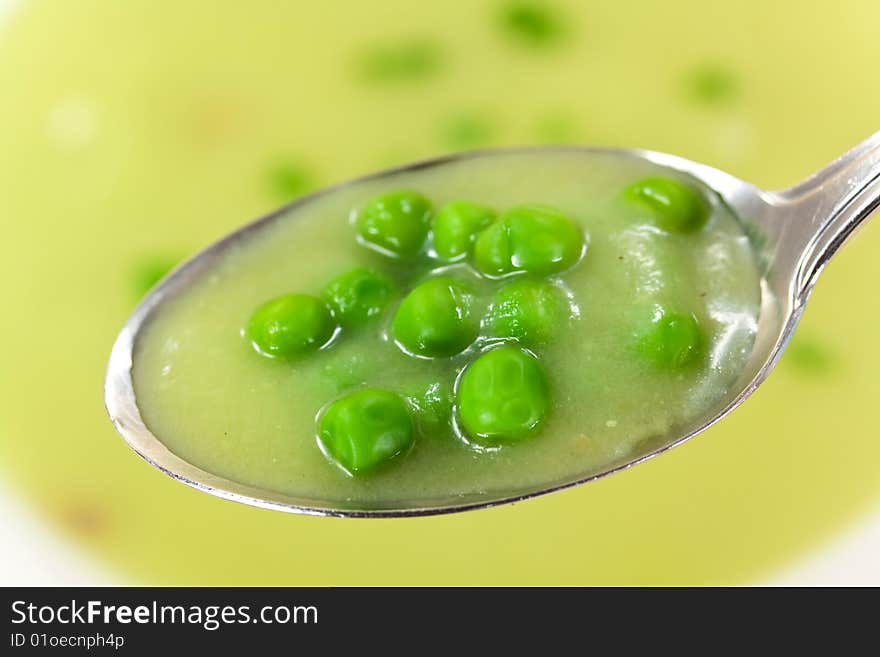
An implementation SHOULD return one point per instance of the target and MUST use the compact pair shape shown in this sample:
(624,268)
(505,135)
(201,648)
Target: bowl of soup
(133,136)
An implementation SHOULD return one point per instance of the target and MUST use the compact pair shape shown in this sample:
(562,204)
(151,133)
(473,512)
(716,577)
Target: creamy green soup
(612,363)
(134,134)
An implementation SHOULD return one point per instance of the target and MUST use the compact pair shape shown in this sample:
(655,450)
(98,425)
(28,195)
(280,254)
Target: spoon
(794,233)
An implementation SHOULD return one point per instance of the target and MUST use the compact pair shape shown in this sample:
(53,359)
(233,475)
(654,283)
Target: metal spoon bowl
(794,233)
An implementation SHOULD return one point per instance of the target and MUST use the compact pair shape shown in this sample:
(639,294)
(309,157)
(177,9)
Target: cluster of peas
(502,396)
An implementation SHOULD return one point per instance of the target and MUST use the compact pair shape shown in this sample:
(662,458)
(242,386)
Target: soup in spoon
(487,324)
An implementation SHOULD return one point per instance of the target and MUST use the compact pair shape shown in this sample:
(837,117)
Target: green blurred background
(134,133)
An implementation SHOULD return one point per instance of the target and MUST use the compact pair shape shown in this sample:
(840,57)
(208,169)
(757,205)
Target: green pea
(395,223)
(674,206)
(531,23)
(365,429)
(436,319)
(810,355)
(528,311)
(345,368)
(456,227)
(466,131)
(359,295)
(150,271)
(529,238)
(502,397)
(402,62)
(432,402)
(290,326)
(670,339)
(713,83)
(289,180)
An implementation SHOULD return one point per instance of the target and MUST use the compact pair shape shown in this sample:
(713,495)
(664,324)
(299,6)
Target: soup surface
(254,422)
(134,134)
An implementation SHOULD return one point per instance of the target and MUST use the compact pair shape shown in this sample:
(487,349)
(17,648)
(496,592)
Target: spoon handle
(830,205)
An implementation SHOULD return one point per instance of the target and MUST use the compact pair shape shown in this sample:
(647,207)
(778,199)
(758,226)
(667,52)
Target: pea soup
(482,325)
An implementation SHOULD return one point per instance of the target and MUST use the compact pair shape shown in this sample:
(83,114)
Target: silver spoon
(794,234)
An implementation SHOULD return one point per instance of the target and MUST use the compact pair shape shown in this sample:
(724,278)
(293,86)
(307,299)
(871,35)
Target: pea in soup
(486,325)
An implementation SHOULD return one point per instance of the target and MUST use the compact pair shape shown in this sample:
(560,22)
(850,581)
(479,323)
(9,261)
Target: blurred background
(133,134)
